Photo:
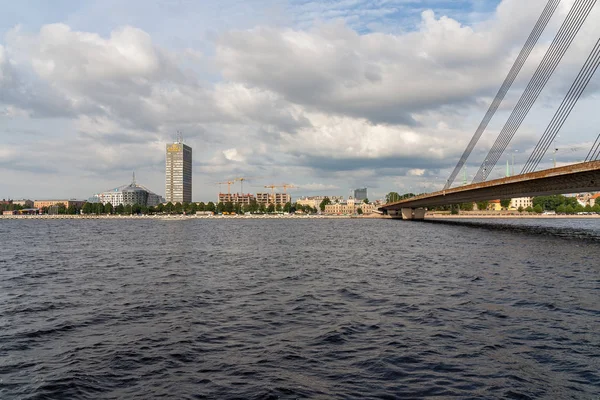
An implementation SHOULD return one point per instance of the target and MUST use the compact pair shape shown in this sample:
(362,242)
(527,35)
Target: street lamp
(554,156)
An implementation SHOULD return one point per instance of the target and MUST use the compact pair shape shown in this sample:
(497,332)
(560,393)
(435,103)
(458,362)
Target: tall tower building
(360,194)
(178,179)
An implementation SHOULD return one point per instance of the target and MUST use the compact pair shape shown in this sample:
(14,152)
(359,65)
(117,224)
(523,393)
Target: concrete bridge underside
(582,177)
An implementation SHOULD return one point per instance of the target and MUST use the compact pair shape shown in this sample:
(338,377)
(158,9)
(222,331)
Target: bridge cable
(594,151)
(552,58)
(523,109)
(566,107)
(508,81)
(540,78)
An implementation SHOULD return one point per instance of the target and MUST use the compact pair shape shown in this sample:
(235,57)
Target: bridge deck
(582,177)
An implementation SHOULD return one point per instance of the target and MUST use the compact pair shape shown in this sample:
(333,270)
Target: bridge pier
(413,213)
(394,214)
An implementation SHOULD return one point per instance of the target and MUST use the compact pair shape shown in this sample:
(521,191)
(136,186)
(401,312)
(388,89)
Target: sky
(327,96)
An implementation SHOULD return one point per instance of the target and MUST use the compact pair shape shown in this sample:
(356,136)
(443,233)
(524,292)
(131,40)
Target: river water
(268,309)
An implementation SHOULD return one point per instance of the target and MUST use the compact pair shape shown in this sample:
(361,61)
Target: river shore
(429,216)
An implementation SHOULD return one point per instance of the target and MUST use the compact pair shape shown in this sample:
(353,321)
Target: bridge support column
(413,213)
(394,213)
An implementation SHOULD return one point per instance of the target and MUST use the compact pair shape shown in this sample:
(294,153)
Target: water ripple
(281,309)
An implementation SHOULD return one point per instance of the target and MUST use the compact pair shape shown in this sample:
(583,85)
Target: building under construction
(273,198)
(238,198)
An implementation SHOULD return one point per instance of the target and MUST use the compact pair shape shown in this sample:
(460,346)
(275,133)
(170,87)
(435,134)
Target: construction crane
(286,186)
(228,183)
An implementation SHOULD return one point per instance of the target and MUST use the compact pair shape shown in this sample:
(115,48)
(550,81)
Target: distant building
(521,202)
(39,204)
(360,194)
(239,198)
(130,194)
(23,203)
(351,206)
(315,201)
(273,198)
(494,205)
(178,174)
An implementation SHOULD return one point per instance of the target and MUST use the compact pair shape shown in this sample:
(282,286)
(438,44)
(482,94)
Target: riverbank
(184,217)
(429,216)
(509,216)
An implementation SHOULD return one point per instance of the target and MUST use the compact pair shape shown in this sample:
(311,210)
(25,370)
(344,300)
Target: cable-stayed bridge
(574,178)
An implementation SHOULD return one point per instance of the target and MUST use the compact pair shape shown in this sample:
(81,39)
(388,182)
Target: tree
(466,206)
(160,208)
(99,208)
(228,207)
(505,203)
(108,208)
(325,202)
(210,206)
(552,202)
(569,209)
(588,208)
(520,209)
(169,207)
(220,207)
(529,209)
(579,208)
(596,208)
(287,207)
(366,201)
(391,197)
(359,211)
(561,209)
(120,209)
(87,208)
(483,205)
(71,210)
(271,208)
(538,209)
(201,206)
(278,207)
(178,208)
(128,209)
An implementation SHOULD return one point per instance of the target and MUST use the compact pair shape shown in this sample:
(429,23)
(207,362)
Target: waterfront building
(39,204)
(315,201)
(239,198)
(494,205)
(273,198)
(349,207)
(360,194)
(178,173)
(130,194)
(23,203)
(521,202)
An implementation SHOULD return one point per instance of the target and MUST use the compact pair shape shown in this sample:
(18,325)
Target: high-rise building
(360,194)
(178,177)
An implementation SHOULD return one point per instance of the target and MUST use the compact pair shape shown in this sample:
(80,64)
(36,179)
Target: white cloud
(322,104)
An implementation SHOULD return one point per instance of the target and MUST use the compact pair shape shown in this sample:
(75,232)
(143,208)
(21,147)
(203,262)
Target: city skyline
(329,97)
